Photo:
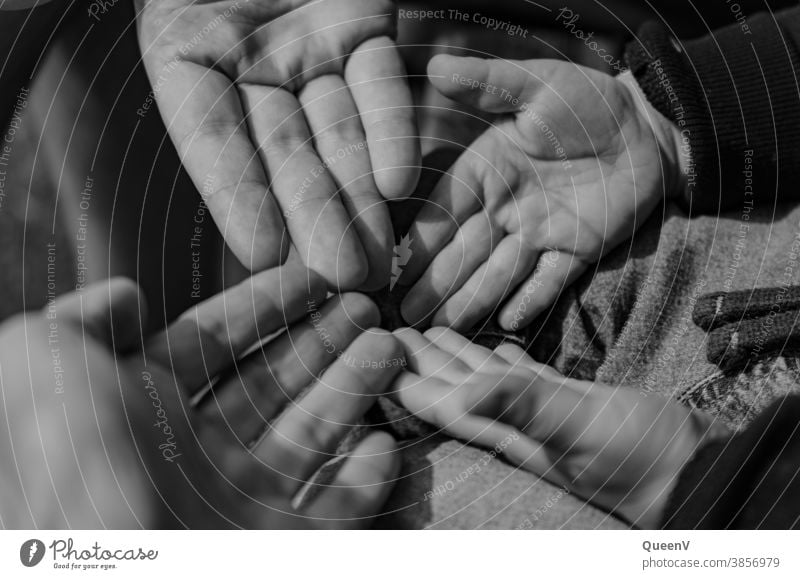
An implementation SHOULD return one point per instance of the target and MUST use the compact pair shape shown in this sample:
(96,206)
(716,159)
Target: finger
(451,268)
(427,359)
(491,85)
(548,410)
(210,337)
(517,356)
(362,486)
(308,432)
(203,114)
(447,405)
(452,408)
(377,80)
(508,265)
(315,217)
(455,198)
(113,312)
(554,272)
(475,356)
(272,377)
(340,140)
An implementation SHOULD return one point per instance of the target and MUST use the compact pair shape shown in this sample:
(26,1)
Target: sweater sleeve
(749,481)
(735,96)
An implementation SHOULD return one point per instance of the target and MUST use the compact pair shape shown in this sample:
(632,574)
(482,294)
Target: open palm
(290,116)
(578,162)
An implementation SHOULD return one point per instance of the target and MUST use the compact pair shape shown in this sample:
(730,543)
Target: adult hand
(576,164)
(614,447)
(110,436)
(289,112)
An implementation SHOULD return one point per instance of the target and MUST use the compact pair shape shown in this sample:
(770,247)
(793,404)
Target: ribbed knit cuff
(734,96)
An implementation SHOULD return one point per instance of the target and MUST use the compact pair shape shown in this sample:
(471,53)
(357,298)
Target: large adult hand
(119,439)
(578,162)
(281,111)
(614,447)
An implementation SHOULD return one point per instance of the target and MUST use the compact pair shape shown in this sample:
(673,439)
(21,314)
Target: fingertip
(414,309)
(347,272)
(256,235)
(377,442)
(129,312)
(360,309)
(112,311)
(400,181)
(436,332)
(511,321)
(441,67)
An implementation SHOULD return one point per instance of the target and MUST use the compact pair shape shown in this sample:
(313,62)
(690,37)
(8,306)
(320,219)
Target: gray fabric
(628,323)
(446,484)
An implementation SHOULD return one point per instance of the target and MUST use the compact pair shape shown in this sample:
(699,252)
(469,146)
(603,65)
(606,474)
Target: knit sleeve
(735,96)
(749,481)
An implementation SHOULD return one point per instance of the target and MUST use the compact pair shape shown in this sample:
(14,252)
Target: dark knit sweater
(735,96)
(751,481)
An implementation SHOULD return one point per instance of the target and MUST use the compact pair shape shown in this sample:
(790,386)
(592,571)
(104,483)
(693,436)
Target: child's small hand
(614,447)
(580,160)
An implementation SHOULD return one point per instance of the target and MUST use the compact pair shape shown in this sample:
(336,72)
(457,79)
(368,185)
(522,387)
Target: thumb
(112,312)
(491,85)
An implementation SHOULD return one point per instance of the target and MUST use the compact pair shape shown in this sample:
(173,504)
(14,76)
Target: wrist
(647,507)
(675,153)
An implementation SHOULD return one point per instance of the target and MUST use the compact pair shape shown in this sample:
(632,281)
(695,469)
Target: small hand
(614,447)
(289,115)
(120,438)
(578,162)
